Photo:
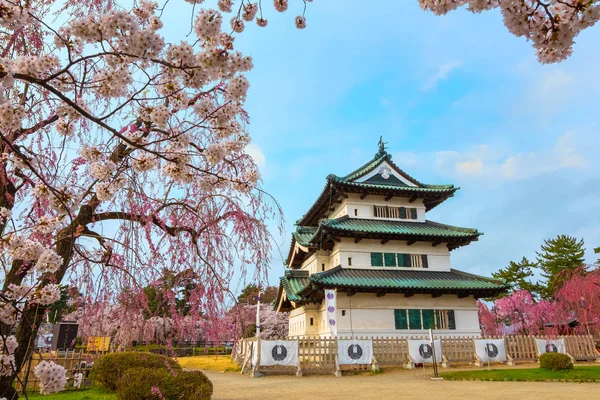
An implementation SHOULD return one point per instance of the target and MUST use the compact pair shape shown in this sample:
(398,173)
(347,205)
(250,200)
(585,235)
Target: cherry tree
(579,300)
(122,155)
(488,320)
(551,25)
(241,322)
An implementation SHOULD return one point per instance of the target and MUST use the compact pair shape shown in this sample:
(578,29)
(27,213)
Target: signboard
(98,343)
(64,336)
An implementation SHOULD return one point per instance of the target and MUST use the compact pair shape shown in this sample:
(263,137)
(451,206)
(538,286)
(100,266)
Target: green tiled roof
(427,228)
(423,189)
(304,235)
(432,195)
(416,281)
(293,282)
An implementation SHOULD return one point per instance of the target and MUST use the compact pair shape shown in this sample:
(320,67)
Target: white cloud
(482,161)
(405,159)
(569,156)
(470,167)
(257,154)
(443,70)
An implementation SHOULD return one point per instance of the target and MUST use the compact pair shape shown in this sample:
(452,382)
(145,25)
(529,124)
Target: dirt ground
(392,384)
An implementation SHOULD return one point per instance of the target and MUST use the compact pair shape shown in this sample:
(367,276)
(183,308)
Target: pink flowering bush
(242,321)
(575,309)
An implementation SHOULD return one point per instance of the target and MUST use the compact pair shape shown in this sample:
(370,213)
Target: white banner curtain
(551,346)
(331,307)
(254,352)
(490,350)
(354,351)
(420,351)
(279,352)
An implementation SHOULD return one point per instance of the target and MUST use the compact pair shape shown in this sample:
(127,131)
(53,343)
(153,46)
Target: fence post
(255,368)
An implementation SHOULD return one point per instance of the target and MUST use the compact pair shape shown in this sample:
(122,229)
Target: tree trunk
(33,314)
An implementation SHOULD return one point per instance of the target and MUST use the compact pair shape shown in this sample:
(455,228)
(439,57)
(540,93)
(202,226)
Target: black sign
(355,352)
(551,348)
(491,350)
(279,353)
(425,351)
(64,336)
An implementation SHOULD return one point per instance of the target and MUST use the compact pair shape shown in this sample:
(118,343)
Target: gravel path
(394,384)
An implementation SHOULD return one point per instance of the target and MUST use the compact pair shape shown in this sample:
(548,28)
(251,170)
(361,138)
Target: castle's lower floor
(369,315)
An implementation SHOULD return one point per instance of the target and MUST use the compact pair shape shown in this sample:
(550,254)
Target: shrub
(110,368)
(556,361)
(193,385)
(137,384)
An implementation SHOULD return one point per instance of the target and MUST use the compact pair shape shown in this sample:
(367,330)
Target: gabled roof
(428,231)
(377,228)
(291,284)
(355,182)
(394,280)
(301,288)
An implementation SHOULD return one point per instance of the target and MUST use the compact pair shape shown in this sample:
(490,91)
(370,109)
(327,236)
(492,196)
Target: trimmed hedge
(555,361)
(142,384)
(193,385)
(111,367)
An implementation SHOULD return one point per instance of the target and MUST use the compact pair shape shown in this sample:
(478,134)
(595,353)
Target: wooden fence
(74,361)
(318,354)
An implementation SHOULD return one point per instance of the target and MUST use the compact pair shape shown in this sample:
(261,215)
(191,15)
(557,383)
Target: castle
(368,237)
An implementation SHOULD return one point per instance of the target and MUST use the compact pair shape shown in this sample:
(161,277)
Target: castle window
(355,212)
(343,313)
(322,267)
(349,261)
(399,260)
(424,319)
(376,259)
(312,322)
(394,212)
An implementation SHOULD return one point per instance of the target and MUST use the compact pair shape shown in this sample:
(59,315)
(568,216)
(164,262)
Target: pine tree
(558,258)
(597,251)
(516,275)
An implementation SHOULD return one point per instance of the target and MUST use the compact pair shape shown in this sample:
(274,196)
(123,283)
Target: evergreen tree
(517,276)
(597,251)
(558,259)
(249,295)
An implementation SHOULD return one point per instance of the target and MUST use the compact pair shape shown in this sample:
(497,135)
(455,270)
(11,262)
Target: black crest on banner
(279,353)
(425,351)
(491,350)
(355,352)
(551,348)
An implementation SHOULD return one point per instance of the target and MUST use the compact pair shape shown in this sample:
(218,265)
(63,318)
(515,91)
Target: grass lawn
(211,363)
(584,374)
(91,394)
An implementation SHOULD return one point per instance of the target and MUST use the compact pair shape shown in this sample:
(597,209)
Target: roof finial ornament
(382,144)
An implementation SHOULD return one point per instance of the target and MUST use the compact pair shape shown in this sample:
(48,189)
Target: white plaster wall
(300,320)
(369,315)
(310,264)
(364,208)
(438,257)
(339,210)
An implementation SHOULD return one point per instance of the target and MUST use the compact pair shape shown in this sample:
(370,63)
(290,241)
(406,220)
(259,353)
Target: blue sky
(458,99)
